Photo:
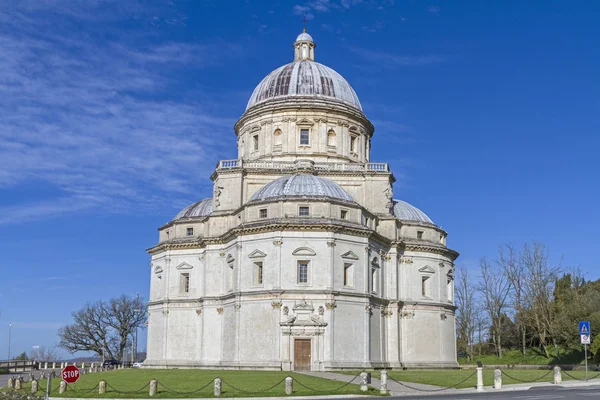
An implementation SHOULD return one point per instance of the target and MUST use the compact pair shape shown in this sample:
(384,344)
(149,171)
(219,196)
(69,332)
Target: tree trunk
(524,340)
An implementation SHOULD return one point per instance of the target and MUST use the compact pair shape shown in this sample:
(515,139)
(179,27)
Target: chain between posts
(129,391)
(579,379)
(82,390)
(184,393)
(530,380)
(253,392)
(328,390)
(433,390)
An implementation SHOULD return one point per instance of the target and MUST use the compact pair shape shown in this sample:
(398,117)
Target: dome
(304,78)
(302,186)
(407,212)
(304,36)
(201,208)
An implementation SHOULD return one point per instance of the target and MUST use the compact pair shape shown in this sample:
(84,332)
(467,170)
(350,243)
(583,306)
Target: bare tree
(103,327)
(538,289)
(43,353)
(509,260)
(495,289)
(466,311)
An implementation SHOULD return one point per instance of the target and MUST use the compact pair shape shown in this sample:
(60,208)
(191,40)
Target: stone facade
(306,278)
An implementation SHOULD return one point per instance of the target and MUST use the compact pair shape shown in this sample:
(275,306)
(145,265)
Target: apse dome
(200,208)
(302,186)
(304,78)
(407,212)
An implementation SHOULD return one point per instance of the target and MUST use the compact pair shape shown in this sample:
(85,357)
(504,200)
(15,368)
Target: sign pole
(586,364)
(48,386)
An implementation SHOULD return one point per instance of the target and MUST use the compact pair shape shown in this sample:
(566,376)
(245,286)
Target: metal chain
(328,390)
(579,379)
(527,381)
(190,392)
(129,391)
(253,392)
(434,390)
(83,390)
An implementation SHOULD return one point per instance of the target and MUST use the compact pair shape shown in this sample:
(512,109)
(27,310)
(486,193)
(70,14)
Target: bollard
(480,379)
(82,365)
(31,376)
(63,387)
(11,383)
(153,387)
(217,391)
(34,387)
(18,383)
(43,375)
(289,385)
(557,375)
(363,382)
(46,365)
(383,389)
(102,387)
(497,379)
(54,373)
(53,365)
(92,366)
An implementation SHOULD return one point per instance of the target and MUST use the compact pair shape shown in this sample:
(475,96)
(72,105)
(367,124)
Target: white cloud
(97,123)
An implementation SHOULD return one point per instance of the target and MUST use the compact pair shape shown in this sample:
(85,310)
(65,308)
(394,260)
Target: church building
(302,259)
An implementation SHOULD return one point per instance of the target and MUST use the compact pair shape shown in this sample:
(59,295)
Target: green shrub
(595,349)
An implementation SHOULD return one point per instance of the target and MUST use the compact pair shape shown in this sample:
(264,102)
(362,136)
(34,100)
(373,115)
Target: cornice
(427,248)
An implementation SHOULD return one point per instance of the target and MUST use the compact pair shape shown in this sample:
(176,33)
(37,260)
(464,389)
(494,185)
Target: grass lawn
(450,377)
(534,356)
(188,381)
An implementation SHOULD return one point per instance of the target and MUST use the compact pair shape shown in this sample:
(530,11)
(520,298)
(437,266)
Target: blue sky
(113,115)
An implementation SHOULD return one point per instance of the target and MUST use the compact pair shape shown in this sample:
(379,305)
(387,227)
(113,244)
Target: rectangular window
(419,234)
(303,211)
(185,283)
(344,214)
(259,273)
(230,277)
(255,142)
(354,144)
(348,281)
(189,231)
(304,137)
(425,292)
(374,280)
(449,290)
(262,213)
(303,272)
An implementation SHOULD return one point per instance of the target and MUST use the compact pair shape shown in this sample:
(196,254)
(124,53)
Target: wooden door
(302,355)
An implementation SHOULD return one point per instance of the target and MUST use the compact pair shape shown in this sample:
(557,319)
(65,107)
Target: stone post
(31,376)
(34,387)
(46,365)
(363,382)
(497,379)
(18,383)
(54,373)
(11,383)
(217,391)
(92,366)
(63,387)
(43,375)
(82,365)
(383,389)
(289,385)
(153,387)
(480,379)
(53,365)
(557,375)
(102,387)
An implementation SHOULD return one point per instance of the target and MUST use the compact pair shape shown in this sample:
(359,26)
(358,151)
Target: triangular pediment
(257,254)
(229,258)
(304,121)
(158,270)
(184,265)
(350,256)
(304,251)
(427,269)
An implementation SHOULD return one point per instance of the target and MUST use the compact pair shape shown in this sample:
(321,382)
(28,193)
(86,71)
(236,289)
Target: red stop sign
(70,374)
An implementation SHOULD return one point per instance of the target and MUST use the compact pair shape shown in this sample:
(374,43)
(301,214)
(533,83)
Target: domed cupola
(407,212)
(304,187)
(304,78)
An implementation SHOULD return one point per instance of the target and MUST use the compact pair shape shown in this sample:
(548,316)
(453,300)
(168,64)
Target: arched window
(331,138)
(277,137)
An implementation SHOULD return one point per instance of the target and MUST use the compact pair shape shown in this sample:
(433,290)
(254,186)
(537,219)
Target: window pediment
(427,269)
(305,122)
(304,251)
(184,265)
(158,269)
(229,258)
(350,256)
(257,254)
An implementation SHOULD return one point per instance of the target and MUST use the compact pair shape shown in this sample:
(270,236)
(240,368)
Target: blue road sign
(584,328)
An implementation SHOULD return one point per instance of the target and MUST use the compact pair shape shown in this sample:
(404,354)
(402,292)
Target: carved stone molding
(276,304)
(369,309)
(386,257)
(237,306)
(277,242)
(443,316)
(331,243)
(220,310)
(198,311)
(222,254)
(406,260)
(321,310)
(331,305)
(286,310)
(387,312)
(165,312)
(407,314)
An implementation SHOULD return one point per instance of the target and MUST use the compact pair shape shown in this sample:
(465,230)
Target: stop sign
(70,374)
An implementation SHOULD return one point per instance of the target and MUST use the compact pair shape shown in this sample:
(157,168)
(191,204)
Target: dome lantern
(304,47)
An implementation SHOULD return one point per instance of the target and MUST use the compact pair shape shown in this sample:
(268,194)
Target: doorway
(302,352)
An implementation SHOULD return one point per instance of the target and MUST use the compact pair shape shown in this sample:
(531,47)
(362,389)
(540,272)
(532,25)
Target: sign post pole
(586,366)
(584,332)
